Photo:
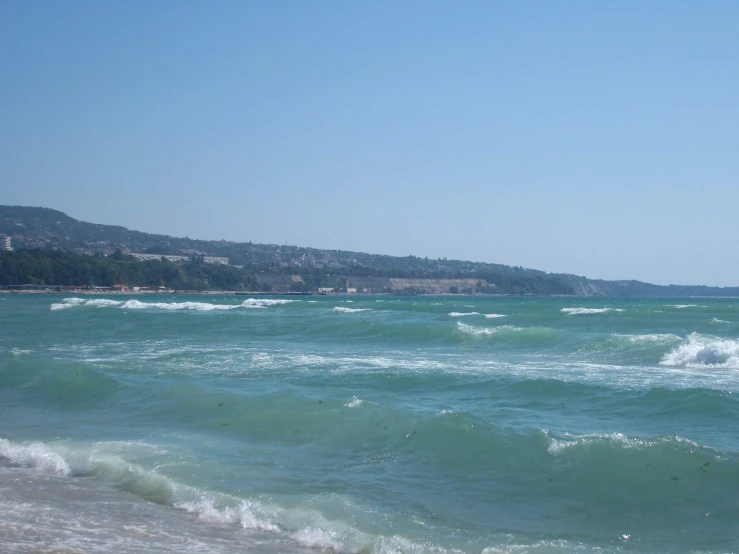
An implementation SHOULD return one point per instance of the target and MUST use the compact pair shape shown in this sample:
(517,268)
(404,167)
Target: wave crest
(587,311)
(699,351)
(654,337)
(304,522)
(486,331)
(167,306)
(36,455)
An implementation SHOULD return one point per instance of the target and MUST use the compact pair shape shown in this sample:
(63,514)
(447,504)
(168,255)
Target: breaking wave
(102,303)
(36,455)
(477,331)
(488,331)
(655,337)
(494,316)
(301,522)
(343,310)
(68,303)
(463,314)
(586,311)
(699,351)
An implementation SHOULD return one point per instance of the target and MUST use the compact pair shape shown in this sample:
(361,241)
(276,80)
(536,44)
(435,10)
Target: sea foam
(36,455)
(568,441)
(67,303)
(586,311)
(485,331)
(343,310)
(653,337)
(463,314)
(103,303)
(300,523)
(354,402)
(167,306)
(700,351)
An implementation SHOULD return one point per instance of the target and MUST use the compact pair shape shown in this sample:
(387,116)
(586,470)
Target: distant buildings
(7,244)
(180,259)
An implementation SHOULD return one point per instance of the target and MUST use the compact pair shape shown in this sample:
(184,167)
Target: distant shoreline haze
(49,248)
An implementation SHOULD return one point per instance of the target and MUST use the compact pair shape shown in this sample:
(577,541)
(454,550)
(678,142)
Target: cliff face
(437,286)
(583,287)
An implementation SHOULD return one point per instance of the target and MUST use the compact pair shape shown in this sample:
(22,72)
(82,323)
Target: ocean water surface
(356,424)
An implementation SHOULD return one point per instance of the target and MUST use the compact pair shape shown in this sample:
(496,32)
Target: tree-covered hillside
(310,268)
(45,267)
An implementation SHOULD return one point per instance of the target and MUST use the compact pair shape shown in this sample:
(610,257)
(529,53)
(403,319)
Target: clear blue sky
(596,138)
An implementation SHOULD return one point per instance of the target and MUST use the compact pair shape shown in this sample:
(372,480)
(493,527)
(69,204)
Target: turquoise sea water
(368,424)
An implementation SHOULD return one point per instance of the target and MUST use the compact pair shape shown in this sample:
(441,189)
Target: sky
(593,138)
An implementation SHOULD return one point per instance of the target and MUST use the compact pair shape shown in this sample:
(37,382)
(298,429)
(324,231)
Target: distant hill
(44,228)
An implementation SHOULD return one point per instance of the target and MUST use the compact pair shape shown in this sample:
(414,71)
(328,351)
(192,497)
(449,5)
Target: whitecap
(103,303)
(717,320)
(66,304)
(36,455)
(655,337)
(463,314)
(344,310)
(585,311)
(477,331)
(171,306)
(134,304)
(264,302)
(699,351)
(494,316)
(56,307)
(567,441)
(354,402)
